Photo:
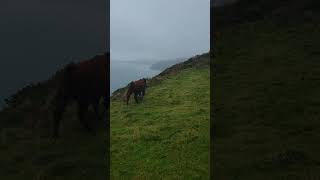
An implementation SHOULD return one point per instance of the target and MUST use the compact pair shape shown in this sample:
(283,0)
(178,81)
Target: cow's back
(88,79)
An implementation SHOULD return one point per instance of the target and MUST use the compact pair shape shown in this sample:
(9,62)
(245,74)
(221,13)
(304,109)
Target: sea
(123,72)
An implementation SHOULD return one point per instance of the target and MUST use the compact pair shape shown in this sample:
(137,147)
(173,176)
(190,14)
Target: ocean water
(122,73)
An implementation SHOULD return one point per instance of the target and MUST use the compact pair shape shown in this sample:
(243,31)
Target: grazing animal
(138,88)
(86,83)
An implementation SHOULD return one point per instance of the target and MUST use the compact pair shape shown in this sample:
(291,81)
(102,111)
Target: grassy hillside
(166,136)
(30,155)
(28,152)
(266,108)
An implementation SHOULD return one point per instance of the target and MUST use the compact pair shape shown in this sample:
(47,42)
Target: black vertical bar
(108,89)
(211,88)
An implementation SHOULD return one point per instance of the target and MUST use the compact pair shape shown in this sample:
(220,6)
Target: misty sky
(39,36)
(159,29)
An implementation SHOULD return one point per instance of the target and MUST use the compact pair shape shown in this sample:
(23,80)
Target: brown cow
(86,83)
(138,88)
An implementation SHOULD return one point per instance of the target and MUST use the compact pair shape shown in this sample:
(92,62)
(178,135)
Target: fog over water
(39,37)
(123,72)
(153,30)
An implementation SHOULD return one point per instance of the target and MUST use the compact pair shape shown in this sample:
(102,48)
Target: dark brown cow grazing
(86,83)
(138,88)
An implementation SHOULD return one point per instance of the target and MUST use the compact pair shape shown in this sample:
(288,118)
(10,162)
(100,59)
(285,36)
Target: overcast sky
(39,36)
(159,29)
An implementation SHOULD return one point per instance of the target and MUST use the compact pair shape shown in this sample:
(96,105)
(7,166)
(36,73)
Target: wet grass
(33,154)
(166,136)
(266,115)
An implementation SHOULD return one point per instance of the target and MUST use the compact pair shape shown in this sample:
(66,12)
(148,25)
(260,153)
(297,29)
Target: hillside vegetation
(27,150)
(166,136)
(266,90)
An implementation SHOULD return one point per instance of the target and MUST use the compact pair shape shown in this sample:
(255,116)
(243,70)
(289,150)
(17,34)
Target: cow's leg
(128,98)
(97,112)
(142,95)
(143,91)
(136,97)
(58,112)
(82,112)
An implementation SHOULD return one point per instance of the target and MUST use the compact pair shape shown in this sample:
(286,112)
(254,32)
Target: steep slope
(27,150)
(167,136)
(177,108)
(266,85)
(162,65)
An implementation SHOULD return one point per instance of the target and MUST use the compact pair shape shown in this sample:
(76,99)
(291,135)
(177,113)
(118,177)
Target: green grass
(267,100)
(166,136)
(33,154)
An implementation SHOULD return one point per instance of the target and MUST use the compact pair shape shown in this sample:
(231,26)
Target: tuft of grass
(166,136)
